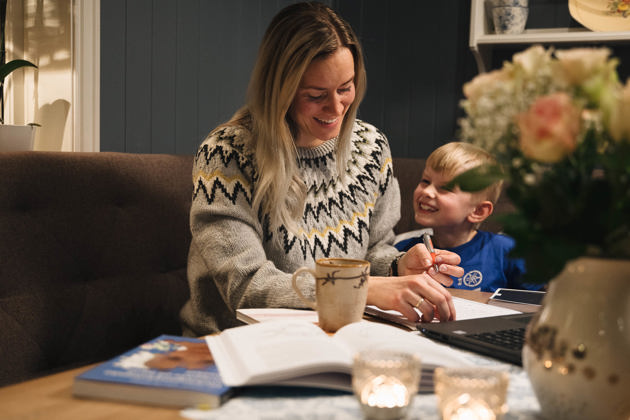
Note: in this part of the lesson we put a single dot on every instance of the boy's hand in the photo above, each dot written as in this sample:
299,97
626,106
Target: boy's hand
419,260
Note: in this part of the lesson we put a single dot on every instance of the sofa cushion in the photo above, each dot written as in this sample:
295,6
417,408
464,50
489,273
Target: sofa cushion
93,255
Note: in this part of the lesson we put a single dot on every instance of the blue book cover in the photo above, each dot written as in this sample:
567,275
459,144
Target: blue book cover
168,370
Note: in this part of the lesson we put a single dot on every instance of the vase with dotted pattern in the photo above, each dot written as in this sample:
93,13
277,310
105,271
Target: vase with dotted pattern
577,351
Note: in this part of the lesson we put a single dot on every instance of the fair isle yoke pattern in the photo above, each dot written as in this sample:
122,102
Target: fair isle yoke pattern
337,214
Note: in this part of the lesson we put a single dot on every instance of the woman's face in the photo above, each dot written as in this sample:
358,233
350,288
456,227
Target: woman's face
325,93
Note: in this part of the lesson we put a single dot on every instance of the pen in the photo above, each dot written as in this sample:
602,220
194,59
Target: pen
427,242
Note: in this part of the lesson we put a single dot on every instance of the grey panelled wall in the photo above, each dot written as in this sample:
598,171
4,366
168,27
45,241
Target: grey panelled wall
172,70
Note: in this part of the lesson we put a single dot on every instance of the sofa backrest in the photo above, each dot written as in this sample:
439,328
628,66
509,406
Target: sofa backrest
408,172
92,257
93,253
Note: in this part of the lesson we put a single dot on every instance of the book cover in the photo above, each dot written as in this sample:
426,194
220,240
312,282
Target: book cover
168,371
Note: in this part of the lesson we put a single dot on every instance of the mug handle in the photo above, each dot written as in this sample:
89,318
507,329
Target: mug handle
310,303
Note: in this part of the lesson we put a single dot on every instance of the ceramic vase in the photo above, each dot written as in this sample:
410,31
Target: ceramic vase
577,351
15,138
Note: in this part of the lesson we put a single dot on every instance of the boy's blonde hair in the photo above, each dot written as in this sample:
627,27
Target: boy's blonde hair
451,159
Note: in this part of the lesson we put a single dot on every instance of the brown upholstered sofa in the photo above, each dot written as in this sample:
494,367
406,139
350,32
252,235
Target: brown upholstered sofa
93,253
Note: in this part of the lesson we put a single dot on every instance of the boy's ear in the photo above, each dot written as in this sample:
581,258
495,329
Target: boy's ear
481,212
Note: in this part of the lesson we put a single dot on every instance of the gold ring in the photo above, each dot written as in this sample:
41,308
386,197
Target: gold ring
417,305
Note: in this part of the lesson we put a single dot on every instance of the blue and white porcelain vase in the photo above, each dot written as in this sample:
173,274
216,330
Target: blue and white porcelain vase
577,351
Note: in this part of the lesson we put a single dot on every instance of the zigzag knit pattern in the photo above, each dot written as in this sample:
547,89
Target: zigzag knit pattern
337,213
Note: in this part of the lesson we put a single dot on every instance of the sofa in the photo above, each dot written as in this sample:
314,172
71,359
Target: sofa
93,254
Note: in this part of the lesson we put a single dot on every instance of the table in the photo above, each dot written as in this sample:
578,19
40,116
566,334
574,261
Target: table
50,398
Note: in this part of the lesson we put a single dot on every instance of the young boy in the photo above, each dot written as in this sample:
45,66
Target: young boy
455,215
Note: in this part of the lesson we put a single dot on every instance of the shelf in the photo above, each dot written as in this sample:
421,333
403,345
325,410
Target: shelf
552,35
482,39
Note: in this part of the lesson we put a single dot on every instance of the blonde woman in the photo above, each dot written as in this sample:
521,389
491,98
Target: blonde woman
294,177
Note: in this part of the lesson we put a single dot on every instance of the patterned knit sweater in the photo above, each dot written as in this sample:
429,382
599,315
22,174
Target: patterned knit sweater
235,261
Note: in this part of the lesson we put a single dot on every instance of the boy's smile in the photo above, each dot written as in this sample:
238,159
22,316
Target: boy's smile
436,206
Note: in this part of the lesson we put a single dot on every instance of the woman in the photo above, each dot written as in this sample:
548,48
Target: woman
294,177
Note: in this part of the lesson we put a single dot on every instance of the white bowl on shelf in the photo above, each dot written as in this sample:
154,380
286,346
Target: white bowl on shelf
601,15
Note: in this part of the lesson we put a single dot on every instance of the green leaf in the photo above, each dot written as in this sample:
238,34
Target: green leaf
478,178
12,65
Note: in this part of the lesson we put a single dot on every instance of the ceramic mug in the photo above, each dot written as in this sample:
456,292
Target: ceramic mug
340,290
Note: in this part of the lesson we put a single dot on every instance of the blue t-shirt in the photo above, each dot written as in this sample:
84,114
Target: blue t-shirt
485,262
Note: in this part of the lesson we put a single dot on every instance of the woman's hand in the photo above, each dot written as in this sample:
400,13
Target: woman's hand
418,260
407,293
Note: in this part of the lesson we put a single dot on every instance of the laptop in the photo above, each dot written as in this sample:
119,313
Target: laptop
500,337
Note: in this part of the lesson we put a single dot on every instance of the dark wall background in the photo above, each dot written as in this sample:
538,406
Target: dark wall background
172,70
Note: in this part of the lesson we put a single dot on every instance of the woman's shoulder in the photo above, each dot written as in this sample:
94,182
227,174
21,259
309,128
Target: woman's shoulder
226,146
227,140
366,135
365,128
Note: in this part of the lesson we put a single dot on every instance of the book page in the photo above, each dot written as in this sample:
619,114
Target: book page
465,309
271,351
253,315
366,335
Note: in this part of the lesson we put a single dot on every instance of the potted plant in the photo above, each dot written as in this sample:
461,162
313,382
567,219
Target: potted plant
12,137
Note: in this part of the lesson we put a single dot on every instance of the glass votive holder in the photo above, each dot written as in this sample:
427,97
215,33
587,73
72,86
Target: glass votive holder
385,383
471,393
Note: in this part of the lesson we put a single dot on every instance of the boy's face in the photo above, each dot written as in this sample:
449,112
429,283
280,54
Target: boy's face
435,206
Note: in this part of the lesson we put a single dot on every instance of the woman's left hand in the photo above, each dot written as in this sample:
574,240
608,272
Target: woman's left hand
418,260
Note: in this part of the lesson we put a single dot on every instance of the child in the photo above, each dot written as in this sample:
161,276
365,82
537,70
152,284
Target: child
455,215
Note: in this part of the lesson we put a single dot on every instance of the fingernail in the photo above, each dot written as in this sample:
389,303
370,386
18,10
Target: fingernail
428,262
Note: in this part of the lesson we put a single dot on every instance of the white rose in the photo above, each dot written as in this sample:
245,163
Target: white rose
577,65
532,59
482,83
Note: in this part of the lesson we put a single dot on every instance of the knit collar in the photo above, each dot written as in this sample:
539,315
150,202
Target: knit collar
324,149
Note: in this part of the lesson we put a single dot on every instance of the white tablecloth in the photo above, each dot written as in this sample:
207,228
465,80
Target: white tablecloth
277,403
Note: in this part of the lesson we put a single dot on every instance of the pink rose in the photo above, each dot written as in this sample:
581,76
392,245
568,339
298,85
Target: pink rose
549,128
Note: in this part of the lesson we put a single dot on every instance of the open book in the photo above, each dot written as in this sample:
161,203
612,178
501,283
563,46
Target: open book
466,309
297,352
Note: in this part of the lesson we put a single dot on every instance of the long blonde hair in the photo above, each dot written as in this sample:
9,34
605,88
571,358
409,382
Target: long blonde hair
297,35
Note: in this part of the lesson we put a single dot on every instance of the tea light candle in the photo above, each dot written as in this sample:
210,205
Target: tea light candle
385,383
471,393
467,408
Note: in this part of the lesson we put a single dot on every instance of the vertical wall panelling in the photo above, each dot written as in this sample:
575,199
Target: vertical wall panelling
187,75
113,36
424,76
138,74
454,66
416,59
367,20
173,70
163,75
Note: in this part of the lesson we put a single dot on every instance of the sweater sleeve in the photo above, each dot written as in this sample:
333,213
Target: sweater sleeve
386,214
227,236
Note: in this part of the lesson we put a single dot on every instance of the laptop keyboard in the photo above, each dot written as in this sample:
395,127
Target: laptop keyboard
512,338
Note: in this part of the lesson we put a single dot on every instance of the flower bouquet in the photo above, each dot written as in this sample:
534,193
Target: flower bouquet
558,123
